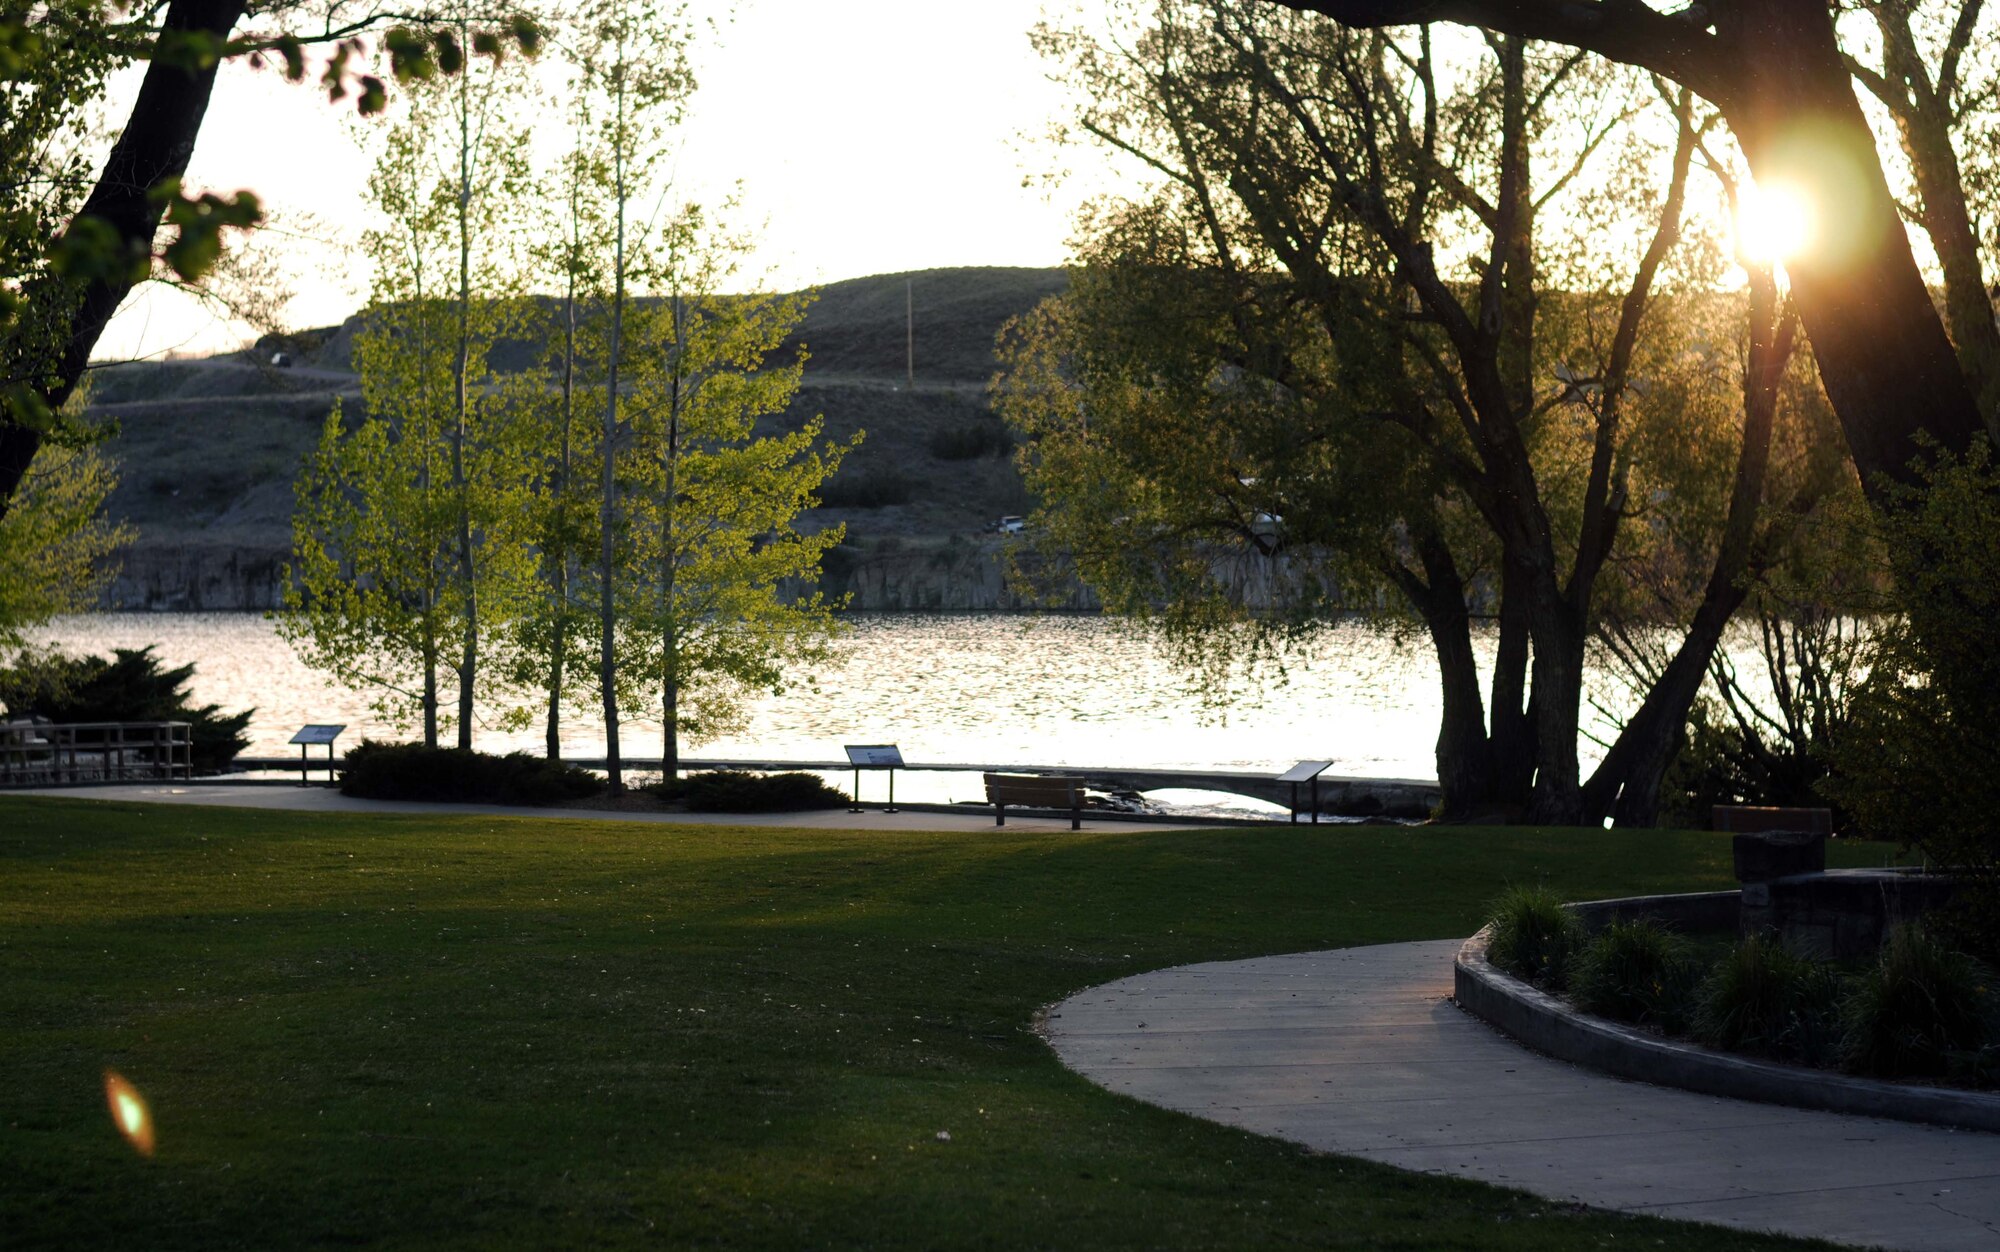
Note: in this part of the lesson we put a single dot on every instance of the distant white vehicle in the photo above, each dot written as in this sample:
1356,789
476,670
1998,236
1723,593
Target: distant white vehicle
282,360
1011,525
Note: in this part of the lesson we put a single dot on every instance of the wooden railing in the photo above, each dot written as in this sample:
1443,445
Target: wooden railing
39,754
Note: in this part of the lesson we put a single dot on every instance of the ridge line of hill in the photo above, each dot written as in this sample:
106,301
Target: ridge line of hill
209,447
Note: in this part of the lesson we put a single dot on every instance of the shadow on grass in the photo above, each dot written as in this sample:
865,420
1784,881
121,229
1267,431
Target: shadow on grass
480,1032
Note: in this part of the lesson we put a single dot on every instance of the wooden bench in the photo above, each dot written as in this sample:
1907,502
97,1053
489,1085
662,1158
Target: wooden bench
1035,791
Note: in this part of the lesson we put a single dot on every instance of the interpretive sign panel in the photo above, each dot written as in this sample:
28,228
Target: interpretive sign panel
1305,771
874,755
318,734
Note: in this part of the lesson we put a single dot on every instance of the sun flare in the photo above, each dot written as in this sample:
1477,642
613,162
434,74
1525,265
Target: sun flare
129,1112
1774,224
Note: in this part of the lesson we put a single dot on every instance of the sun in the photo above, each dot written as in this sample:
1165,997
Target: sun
1774,223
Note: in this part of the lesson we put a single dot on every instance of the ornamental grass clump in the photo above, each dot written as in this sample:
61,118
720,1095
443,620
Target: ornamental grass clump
1635,972
1764,999
1920,1012
1534,936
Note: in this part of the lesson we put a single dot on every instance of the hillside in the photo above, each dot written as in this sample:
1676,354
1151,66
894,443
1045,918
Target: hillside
209,448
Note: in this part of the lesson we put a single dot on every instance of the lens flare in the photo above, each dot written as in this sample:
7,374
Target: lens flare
129,1112
1774,223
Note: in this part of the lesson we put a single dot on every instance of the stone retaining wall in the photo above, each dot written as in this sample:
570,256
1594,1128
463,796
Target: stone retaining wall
1550,1025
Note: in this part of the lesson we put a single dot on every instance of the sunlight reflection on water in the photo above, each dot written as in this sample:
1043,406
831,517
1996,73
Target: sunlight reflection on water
1043,690
950,689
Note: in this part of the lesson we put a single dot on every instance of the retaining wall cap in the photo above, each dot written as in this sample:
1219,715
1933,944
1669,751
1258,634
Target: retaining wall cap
1552,1026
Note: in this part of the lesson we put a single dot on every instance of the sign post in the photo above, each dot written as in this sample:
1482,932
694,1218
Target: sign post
874,756
1305,772
325,734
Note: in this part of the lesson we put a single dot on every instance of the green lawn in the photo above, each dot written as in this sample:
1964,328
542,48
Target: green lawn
478,1032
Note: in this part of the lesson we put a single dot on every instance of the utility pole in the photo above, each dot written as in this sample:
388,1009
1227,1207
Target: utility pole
910,323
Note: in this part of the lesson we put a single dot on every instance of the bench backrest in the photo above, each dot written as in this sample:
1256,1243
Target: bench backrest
1035,789
1746,819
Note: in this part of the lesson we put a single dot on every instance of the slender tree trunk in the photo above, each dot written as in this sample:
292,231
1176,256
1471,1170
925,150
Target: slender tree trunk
1626,784
430,691
559,565
154,148
607,515
461,403
670,660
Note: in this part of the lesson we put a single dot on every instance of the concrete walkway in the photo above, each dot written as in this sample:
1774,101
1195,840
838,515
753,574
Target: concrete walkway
319,799
1359,1051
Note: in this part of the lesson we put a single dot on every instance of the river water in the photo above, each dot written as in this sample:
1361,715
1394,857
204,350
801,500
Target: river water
1043,690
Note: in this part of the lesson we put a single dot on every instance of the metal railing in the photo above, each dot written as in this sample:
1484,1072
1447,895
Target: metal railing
39,754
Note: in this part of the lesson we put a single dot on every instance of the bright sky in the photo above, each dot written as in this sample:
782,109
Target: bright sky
871,136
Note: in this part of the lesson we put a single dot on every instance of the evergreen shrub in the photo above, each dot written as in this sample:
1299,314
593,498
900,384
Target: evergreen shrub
129,687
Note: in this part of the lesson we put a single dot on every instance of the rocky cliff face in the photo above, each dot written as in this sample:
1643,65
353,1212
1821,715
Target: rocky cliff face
963,576
198,575
960,576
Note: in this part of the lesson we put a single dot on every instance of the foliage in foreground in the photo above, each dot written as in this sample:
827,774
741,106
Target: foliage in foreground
55,540
539,1032
411,771
131,686
1920,758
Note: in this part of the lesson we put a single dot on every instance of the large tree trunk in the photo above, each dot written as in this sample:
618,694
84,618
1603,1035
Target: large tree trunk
1922,98
1512,718
154,148
1464,762
1884,358
1481,773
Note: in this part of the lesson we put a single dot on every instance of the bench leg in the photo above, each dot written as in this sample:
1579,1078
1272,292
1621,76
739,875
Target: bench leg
1075,817
999,815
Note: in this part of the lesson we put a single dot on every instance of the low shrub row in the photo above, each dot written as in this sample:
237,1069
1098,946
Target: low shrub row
1921,1010
735,791
411,771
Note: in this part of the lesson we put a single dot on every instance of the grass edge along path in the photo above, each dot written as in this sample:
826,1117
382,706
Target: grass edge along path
479,1032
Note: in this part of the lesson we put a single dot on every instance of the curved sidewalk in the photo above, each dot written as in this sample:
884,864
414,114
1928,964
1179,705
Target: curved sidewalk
1360,1051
